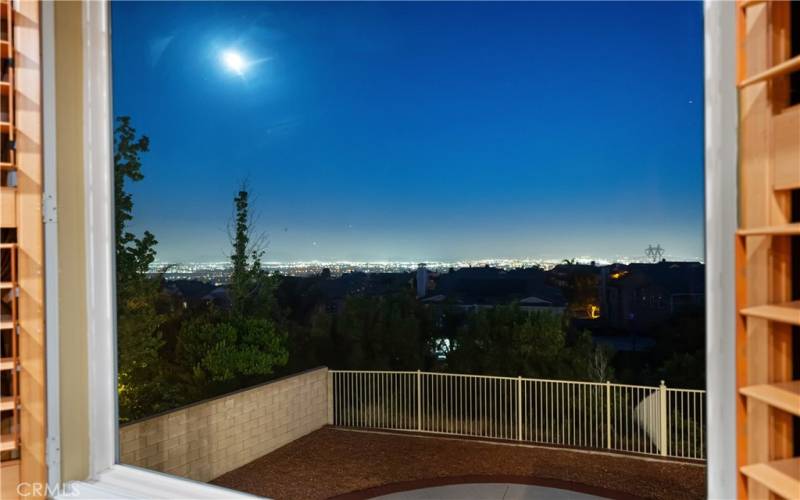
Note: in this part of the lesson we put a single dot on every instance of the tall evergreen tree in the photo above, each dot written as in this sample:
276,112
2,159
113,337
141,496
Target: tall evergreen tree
247,340
138,321
134,255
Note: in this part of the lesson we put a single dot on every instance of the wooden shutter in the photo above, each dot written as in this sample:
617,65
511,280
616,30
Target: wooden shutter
769,170
22,282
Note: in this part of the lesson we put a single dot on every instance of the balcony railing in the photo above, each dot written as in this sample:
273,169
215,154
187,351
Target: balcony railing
617,417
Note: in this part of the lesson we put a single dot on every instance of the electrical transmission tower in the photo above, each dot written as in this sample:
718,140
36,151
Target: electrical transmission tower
654,253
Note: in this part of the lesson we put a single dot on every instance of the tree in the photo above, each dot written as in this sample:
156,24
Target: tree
246,340
390,332
680,350
134,255
584,360
252,288
233,347
582,292
506,340
138,321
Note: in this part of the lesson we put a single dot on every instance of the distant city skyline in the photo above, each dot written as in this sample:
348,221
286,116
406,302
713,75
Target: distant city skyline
220,271
417,131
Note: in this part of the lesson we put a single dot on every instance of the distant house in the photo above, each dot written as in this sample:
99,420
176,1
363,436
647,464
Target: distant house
334,291
193,293
190,292
639,296
581,286
476,288
219,297
561,274
533,303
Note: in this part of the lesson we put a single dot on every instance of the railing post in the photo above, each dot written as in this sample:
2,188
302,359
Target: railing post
608,414
662,391
419,400
519,408
330,395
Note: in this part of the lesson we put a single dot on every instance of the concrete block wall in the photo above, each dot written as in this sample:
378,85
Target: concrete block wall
207,439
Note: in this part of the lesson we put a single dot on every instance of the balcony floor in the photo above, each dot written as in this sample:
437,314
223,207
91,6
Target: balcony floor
335,462
488,491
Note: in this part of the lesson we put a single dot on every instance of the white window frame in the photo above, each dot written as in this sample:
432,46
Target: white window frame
722,206
108,479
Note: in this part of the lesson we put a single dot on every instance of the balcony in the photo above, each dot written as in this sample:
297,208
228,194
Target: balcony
348,463
325,433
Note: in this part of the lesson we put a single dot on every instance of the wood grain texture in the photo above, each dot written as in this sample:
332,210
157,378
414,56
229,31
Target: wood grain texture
787,149
781,477
30,239
8,206
780,230
754,212
782,395
766,148
787,313
741,362
9,475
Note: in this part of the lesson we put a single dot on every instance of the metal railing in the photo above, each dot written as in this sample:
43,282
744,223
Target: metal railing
619,417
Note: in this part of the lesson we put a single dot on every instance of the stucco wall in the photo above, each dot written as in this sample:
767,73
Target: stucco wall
207,439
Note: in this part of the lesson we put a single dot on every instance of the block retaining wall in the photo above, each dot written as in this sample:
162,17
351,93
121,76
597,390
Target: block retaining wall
207,439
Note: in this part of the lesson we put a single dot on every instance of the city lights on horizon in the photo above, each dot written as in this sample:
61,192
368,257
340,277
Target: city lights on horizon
219,270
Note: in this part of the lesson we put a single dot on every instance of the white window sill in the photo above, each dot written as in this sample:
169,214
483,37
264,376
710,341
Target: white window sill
129,482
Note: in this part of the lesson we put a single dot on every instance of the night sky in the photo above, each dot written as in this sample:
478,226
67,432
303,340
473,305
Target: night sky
418,131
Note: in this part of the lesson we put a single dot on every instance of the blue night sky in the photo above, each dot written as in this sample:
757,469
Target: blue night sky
417,131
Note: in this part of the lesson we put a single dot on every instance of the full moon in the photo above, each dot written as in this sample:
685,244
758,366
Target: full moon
234,61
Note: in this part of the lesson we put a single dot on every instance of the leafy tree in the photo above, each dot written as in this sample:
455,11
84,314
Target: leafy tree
318,348
228,348
403,328
138,321
583,360
506,340
392,334
680,348
509,341
685,370
134,255
246,340
582,292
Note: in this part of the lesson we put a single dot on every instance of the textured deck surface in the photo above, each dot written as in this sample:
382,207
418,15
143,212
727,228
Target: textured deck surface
354,464
488,491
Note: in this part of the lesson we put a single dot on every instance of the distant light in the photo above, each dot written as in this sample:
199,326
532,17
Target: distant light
234,61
